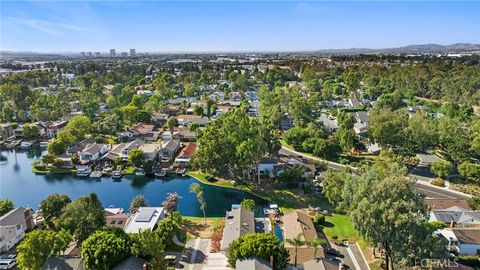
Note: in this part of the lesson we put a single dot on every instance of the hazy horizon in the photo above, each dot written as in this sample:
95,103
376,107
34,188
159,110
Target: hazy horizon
217,27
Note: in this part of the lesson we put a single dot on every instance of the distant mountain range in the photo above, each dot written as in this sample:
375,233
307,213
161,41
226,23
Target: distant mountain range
418,48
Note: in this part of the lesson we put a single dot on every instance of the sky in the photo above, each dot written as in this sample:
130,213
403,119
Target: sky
221,26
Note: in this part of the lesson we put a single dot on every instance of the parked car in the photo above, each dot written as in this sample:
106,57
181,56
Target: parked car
333,252
8,261
336,260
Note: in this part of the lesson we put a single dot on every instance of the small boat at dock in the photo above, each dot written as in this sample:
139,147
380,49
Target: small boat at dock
84,172
117,174
44,145
26,145
96,174
161,173
139,172
181,171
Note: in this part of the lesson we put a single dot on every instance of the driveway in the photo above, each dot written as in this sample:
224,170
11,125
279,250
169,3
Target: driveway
353,257
422,171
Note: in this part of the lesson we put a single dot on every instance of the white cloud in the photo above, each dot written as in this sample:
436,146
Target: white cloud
50,27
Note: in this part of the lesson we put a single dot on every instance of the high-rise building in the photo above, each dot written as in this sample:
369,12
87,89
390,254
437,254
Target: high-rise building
112,52
82,54
132,52
97,54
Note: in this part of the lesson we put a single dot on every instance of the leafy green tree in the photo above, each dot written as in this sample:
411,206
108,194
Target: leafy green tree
6,205
136,157
263,245
198,110
290,177
315,243
34,250
392,217
333,185
247,204
30,131
455,138
302,112
137,202
79,126
423,131
57,147
474,202
62,239
172,122
296,241
52,207
150,245
82,217
345,133
105,248
470,171
441,168
198,190
387,127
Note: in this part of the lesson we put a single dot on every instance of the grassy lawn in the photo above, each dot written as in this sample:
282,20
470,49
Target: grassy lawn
339,226
54,170
129,170
287,199
194,227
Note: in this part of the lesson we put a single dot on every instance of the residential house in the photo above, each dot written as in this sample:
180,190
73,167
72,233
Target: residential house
120,151
360,129
180,133
115,217
464,241
186,153
54,128
159,118
286,122
13,226
456,217
145,218
353,102
6,130
169,150
238,222
275,165
185,120
361,117
299,224
64,262
253,263
171,110
329,122
142,131
150,151
79,146
236,96
442,204
92,152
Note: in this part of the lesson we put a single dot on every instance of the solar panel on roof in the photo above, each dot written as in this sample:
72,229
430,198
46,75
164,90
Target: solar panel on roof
145,215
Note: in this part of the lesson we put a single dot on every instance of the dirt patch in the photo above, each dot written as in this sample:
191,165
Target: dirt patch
199,228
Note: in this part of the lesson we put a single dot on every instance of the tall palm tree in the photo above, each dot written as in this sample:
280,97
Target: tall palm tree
296,242
315,243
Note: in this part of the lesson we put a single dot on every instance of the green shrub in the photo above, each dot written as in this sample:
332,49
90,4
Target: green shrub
441,168
473,261
438,182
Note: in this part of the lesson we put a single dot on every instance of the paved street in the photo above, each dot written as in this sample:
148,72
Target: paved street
196,254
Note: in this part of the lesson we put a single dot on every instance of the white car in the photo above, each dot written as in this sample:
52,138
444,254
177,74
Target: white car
7,261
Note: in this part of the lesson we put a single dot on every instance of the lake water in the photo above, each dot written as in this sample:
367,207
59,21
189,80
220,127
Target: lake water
25,188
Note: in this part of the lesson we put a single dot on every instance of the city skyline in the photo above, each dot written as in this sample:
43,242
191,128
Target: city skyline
52,26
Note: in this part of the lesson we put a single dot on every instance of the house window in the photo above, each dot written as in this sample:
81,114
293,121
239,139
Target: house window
19,226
